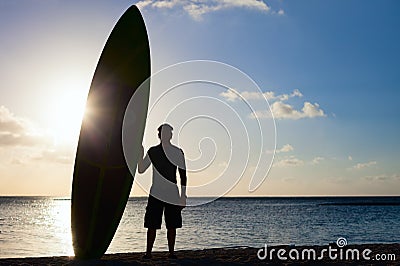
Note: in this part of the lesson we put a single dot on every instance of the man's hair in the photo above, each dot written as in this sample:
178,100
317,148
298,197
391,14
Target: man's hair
164,126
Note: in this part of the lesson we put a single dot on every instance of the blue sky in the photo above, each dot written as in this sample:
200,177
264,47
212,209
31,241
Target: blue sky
341,56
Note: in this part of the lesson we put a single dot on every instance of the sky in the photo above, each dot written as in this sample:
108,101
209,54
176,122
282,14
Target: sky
329,70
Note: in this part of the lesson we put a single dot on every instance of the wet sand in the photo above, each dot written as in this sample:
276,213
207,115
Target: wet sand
236,256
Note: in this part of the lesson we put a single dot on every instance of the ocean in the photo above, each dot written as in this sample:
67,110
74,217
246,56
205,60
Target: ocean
40,226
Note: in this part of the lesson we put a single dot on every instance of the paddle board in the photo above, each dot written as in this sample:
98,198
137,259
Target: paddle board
101,180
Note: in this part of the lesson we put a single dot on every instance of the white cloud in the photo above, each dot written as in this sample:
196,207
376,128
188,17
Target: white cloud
165,4
279,108
8,139
378,178
289,162
9,123
144,4
16,131
232,95
285,148
196,9
21,138
317,160
282,110
261,114
252,95
281,12
312,110
364,165
296,93
383,178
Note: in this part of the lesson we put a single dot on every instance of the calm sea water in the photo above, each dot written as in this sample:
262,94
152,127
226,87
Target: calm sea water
36,226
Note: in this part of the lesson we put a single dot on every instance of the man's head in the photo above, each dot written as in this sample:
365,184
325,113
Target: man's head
165,132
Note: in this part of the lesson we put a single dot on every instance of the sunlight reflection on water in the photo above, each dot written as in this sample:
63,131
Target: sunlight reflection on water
35,227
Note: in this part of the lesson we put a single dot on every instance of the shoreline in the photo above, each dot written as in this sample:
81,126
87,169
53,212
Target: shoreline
388,254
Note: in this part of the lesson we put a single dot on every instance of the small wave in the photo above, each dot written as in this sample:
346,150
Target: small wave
62,199
361,204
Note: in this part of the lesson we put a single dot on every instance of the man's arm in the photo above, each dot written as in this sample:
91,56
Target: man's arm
143,163
182,174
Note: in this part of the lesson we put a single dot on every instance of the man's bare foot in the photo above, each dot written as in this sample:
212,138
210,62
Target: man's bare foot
146,256
172,256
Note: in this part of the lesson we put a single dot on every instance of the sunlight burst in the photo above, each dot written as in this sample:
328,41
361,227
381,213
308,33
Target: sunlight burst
66,115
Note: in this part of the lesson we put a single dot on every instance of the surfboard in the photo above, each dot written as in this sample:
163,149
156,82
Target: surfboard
101,180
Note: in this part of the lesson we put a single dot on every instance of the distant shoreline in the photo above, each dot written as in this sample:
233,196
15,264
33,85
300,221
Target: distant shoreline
235,256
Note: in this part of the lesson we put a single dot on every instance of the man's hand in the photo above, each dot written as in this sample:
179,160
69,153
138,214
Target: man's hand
143,163
182,202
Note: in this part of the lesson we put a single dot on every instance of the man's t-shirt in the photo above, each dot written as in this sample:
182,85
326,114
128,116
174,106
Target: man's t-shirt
166,160
165,164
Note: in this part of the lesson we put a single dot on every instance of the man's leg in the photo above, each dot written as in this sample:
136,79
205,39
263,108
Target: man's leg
152,221
151,237
173,220
171,235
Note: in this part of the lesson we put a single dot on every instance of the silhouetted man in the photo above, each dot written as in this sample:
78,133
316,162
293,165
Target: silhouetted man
164,194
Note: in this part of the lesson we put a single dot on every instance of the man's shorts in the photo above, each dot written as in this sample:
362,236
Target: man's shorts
154,211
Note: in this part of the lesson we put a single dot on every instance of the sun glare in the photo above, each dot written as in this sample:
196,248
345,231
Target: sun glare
66,115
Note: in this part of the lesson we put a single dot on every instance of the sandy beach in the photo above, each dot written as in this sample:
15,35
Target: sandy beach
369,254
